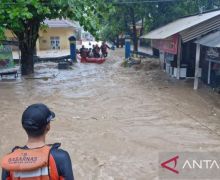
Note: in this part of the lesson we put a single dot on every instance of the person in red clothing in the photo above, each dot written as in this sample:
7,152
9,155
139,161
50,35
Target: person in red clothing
37,160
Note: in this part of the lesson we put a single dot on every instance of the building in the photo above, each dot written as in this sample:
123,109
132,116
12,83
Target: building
208,60
86,36
55,36
175,42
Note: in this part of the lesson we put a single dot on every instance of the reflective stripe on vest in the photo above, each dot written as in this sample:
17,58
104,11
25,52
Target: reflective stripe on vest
31,174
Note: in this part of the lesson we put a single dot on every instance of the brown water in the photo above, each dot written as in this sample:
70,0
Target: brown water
113,121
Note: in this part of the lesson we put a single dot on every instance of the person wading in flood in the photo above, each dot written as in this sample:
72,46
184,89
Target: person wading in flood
37,160
104,50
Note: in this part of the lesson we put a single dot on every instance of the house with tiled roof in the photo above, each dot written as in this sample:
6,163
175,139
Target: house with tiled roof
54,35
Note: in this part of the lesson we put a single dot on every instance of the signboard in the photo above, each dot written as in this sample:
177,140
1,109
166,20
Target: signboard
212,54
169,45
6,58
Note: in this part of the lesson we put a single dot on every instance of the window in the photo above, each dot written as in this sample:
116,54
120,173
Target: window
55,42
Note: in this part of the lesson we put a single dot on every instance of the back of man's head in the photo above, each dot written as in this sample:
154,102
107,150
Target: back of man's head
36,118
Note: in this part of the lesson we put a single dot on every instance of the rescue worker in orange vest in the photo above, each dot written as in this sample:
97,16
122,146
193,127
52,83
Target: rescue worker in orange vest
37,160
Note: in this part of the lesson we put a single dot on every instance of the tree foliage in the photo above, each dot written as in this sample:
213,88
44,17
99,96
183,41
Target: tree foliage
113,24
123,21
153,14
164,12
14,14
2,35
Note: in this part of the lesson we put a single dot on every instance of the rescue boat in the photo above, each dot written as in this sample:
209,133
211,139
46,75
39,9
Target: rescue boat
92,60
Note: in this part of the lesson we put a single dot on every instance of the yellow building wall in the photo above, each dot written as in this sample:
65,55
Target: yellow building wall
43,43
9,34
37,45
62,33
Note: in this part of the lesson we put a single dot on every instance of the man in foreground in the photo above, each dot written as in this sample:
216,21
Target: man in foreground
37,160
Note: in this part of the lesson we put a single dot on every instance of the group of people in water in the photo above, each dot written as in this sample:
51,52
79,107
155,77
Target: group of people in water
95,51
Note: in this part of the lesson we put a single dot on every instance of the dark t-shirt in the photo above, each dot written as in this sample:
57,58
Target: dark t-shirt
63,163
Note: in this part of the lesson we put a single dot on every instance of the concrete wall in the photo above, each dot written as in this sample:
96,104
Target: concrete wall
62,33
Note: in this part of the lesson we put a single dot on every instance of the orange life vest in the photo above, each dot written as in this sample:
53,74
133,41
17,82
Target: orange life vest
31,164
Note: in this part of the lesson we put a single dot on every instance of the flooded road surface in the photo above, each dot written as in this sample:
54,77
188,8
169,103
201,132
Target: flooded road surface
113,120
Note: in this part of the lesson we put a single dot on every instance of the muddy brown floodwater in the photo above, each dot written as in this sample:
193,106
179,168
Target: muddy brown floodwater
113,120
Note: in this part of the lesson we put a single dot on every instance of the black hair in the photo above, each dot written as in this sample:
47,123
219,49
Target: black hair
31,132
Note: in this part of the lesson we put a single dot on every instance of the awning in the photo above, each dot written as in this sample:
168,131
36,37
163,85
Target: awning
211,40
187,26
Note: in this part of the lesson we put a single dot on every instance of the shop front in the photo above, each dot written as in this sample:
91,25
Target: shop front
179,54
211,67
208,59
168,49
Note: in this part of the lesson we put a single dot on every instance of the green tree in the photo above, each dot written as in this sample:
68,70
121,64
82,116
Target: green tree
123,21
24,18
2,36
164,12
152,15
113,25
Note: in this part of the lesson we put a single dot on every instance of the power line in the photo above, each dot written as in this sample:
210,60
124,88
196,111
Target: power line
108,1
139,2
28,3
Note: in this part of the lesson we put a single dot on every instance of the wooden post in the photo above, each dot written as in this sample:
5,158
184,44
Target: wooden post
196,80
209,72
179,56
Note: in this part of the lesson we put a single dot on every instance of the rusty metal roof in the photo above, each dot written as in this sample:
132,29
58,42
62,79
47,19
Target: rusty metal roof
181,25
211,40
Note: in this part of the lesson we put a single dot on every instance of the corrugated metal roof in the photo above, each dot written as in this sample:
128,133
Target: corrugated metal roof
200,29
59,23
180,25
211,40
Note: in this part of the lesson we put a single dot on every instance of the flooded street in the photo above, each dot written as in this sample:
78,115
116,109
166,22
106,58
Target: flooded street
113,121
